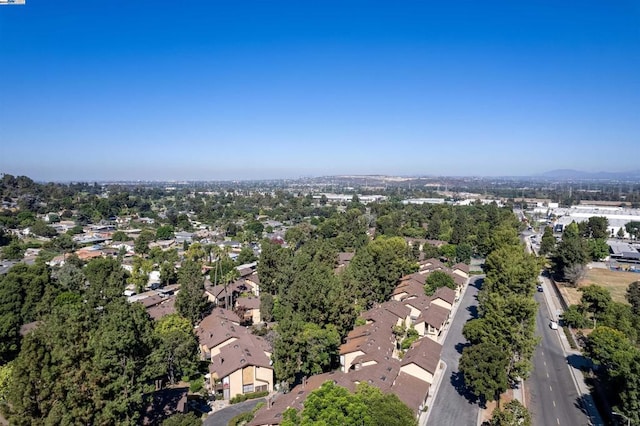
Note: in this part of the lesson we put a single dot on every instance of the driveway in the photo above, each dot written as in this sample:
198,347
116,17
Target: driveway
453,404
222,417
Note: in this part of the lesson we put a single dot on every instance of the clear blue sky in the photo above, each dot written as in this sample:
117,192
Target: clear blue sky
140,89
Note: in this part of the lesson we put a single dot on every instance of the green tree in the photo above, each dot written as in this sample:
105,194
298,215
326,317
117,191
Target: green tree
41,229
547,242
596,227
5,376
71,278
181,419
191,302
121,346
168,274
107,281
512,414
83,366
571,251
503,235
464,252
595,299
164,232
633,228
484,369
303,349
633,296
13,251
375,269
246,255
333,405
176,351
119,236
141,244
437,279
611,349
448,251
385,409
510,269
141,268
598,249
266,306
575,317
273,268
620,316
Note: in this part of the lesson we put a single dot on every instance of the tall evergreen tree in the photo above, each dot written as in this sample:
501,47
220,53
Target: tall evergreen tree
191,302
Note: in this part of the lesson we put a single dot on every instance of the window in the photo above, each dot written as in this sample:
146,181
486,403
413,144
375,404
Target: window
247,388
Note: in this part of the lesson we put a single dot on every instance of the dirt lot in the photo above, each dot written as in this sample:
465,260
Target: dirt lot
616,281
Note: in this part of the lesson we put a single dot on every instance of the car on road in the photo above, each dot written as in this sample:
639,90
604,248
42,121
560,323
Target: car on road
540,289
553,325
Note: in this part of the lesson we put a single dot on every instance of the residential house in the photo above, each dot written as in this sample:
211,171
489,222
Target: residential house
431,321
461,269
444,297
409,286
251,307
422,360
164,308
343,260
240,368
240,361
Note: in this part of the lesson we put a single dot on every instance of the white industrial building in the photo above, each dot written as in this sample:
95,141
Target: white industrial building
618,217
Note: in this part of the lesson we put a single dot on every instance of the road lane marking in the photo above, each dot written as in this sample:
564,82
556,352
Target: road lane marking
547,374
550,388
554,403
558,420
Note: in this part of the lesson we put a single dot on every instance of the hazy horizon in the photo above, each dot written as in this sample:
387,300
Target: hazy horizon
227,91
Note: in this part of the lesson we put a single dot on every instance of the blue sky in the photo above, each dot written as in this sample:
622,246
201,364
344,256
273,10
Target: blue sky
271,89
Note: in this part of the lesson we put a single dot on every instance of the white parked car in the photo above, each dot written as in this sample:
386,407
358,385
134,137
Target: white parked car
553,325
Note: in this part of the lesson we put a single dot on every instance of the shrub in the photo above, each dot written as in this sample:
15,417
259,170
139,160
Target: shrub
253,395
241,419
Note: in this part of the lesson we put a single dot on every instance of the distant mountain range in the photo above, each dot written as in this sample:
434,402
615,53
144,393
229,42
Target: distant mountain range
577,174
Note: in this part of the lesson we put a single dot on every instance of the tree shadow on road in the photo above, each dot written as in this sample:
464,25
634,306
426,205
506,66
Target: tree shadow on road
457,381
460,346
477,283
580,362
473,310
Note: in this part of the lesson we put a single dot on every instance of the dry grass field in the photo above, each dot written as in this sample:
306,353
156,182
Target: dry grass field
616,281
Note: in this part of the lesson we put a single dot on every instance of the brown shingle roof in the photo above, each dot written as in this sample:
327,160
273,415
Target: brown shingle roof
461,266
409,288
421,302
435,316
396,308
411,390
345,257
248,302
165,308
425,353
239,354
446,294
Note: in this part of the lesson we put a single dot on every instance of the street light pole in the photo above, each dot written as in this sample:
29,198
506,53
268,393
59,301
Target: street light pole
622,415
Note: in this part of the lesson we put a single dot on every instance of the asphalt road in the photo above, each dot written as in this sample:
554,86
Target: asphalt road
222,417
551,391
453,405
